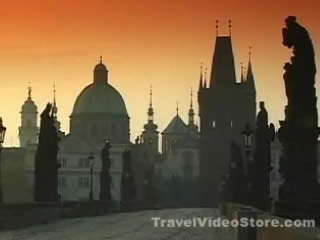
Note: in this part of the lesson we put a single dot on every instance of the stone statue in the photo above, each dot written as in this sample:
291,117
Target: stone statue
46,163
259,169
299,131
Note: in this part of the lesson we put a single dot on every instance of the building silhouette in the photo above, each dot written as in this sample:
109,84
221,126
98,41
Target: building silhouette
225,107
28,131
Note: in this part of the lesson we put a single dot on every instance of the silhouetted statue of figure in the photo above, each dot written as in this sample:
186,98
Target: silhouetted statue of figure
299,131
105,178
128,188
46,163
260,168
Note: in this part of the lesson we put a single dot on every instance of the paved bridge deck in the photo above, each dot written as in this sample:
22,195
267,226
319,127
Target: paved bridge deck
123,226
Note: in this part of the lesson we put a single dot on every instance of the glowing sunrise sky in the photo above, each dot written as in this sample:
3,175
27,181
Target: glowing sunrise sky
143,42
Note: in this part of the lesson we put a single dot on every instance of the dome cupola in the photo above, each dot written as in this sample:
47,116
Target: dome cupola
100,73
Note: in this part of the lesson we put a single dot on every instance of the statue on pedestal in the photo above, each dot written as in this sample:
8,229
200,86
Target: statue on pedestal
46,163
299,131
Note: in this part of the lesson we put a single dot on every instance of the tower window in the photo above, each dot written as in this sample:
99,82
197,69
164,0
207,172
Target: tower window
213,124
231,124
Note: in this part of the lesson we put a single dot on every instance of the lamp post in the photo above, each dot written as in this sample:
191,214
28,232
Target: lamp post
91,163
2,135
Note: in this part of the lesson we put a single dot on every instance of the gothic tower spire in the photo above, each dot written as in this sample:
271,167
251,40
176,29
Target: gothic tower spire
191,111
150,109
250,77
150,135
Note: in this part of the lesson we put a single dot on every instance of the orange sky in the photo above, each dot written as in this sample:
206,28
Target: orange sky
142,42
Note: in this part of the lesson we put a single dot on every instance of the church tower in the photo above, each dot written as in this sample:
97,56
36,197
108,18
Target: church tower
225,107
191,116
28,131
150,135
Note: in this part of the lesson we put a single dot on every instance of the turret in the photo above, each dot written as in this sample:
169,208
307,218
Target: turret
28,131
150,135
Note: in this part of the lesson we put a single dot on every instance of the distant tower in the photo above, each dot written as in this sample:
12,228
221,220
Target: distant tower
150,135
191,123
28,131
55,110
225,107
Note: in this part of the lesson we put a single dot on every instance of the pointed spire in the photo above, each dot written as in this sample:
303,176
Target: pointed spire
250,78
150,94
101,59
230,27
150,109
191,111
201,77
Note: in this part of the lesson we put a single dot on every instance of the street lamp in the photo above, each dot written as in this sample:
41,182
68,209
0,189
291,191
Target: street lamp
91,163
2,135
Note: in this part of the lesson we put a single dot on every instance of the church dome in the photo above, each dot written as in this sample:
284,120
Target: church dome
100,97
100,67
29,106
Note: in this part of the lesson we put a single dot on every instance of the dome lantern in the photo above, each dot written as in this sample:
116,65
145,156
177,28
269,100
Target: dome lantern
100,73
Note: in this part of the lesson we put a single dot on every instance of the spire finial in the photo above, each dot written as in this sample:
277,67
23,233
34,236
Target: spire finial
177,108
217,27
250,52
150,94
230,27
29,89
101,59
191,99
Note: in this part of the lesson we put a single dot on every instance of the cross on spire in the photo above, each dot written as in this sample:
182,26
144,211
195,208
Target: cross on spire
29,90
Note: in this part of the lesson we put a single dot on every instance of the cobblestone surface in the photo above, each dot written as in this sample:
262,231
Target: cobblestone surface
124,226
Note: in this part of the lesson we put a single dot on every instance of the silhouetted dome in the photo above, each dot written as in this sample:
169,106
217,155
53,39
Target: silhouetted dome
100,67
29,106
99,98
